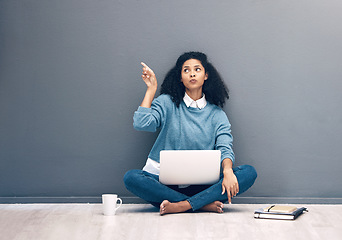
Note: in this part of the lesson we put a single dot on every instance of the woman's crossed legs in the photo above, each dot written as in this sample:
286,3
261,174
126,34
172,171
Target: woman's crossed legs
172,199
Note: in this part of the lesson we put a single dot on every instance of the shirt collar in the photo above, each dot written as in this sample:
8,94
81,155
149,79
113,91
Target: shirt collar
189,102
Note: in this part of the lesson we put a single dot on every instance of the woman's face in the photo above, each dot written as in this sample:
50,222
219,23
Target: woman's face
193,75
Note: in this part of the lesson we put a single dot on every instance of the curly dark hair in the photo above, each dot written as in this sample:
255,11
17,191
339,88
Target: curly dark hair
215,90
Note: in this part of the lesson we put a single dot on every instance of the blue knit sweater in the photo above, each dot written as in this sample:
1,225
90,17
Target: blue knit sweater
185,128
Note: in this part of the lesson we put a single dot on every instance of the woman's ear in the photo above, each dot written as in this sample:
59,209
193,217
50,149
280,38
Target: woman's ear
206,76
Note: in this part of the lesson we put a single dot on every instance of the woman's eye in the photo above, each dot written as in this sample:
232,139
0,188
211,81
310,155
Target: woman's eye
198,69
186,70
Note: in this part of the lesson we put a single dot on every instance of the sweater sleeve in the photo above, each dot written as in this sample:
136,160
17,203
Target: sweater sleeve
150,119
224,138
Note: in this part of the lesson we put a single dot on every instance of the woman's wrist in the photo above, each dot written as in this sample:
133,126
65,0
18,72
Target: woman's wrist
152,90
227,166
227,171
149,96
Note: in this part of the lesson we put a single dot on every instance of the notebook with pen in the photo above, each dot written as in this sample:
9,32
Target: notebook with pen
284,212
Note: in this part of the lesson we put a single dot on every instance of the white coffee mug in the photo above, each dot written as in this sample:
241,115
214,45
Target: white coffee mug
109,204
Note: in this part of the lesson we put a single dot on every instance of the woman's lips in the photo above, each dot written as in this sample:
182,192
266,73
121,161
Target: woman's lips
193,80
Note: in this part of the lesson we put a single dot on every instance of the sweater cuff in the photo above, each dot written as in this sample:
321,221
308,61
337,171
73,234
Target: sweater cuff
144,110
231,157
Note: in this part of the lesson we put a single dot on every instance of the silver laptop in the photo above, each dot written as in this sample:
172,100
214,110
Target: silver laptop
189,167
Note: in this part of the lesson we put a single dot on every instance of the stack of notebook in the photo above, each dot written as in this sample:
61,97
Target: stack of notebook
284,212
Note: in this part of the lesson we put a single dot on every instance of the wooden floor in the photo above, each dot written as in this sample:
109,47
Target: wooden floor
140,221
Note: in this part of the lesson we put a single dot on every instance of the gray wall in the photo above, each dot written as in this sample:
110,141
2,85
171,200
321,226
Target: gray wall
70,83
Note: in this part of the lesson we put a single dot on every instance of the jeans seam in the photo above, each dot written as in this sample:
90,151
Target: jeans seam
191,204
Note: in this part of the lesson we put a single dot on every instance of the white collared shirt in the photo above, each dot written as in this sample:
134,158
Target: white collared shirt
189,102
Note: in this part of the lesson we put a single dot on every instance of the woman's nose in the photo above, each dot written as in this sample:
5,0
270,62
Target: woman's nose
192,74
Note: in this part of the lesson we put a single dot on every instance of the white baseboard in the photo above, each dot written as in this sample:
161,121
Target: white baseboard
136,200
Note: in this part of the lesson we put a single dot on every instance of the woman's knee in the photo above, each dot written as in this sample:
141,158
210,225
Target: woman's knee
130,177
249,171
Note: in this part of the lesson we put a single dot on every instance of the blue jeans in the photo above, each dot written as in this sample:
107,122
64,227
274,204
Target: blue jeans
147,186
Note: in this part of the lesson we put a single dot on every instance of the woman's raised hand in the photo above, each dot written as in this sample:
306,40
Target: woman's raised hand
151,81
149,77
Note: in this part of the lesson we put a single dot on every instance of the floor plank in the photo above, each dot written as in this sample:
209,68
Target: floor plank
141,221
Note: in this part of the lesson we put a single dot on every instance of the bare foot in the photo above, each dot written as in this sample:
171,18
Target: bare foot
178,207
213,207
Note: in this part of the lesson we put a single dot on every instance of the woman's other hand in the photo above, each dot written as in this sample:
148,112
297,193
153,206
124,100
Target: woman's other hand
230,185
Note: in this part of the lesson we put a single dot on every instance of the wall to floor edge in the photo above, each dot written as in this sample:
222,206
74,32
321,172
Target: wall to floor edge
136,200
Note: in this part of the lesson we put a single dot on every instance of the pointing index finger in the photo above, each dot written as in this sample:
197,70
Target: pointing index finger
147,67
144,65
229,197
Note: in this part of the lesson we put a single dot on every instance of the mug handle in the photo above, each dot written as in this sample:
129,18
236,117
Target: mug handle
119,199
